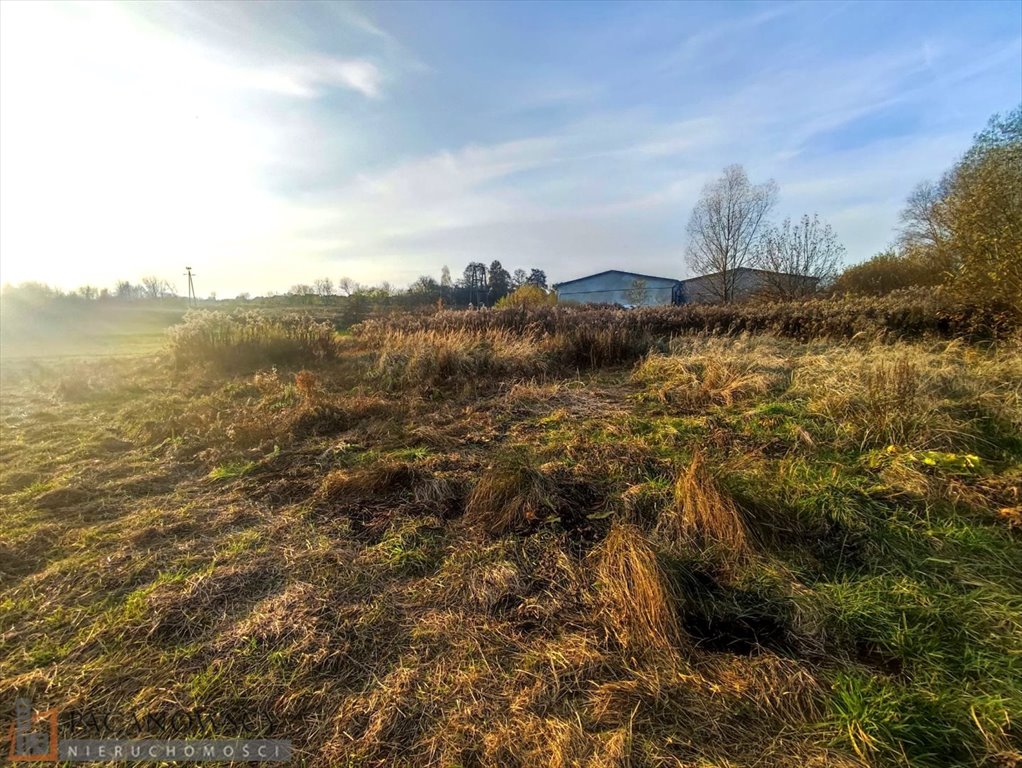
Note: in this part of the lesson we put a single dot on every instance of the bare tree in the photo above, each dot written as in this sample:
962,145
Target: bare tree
725,227
125,290
324,286
155,287
798,258
924,220
347,286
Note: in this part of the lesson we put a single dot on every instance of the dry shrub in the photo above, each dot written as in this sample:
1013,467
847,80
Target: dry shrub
907,314
309,386
638,599
249,339
598,346
511,495
705,515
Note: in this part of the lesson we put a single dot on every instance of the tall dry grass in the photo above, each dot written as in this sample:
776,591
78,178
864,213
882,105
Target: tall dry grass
638,598
511,495
247,340
909,314
949,396
704,515
434,358
704,371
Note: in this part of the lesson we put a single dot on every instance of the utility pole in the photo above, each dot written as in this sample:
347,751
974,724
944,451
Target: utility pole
192,300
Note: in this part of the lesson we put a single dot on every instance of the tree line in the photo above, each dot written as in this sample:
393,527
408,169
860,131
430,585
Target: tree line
478,286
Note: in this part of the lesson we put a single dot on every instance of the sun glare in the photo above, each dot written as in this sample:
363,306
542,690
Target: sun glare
117,142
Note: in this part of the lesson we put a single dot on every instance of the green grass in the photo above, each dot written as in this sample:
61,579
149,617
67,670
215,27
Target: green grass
422,576
232,470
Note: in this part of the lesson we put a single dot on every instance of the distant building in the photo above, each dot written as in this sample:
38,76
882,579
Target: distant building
617,287
638,290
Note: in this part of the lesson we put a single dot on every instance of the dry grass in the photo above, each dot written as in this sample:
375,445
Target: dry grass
304,543
702,372
246,340
638,599
705,516
424,359
913,396
511,495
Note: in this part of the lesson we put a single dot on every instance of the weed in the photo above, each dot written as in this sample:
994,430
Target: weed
511,495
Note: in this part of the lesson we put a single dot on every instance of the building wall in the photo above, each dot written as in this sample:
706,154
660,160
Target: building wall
614,288
708,288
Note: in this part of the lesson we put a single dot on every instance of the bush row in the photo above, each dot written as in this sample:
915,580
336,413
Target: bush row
908,314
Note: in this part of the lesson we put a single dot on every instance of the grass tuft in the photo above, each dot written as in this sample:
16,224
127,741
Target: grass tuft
706,516
511,495
639,603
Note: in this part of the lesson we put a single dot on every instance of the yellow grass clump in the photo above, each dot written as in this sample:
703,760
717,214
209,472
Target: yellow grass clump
704,372
639,600
705,515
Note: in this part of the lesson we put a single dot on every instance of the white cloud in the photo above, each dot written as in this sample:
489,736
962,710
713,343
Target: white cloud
305,78
125,170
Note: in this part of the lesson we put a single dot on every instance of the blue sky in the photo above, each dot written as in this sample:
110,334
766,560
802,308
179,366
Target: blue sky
273,143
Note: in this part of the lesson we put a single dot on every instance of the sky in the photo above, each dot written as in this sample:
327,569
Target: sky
272,143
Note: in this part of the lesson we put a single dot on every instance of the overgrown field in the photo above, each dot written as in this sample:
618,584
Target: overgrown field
466,543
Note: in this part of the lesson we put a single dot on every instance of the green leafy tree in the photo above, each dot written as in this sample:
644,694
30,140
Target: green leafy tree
498,283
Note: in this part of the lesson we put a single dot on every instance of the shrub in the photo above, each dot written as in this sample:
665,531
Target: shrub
617,334
528,295
248,339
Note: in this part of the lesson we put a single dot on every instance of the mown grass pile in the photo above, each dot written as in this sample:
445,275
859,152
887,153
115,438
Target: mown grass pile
518,545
